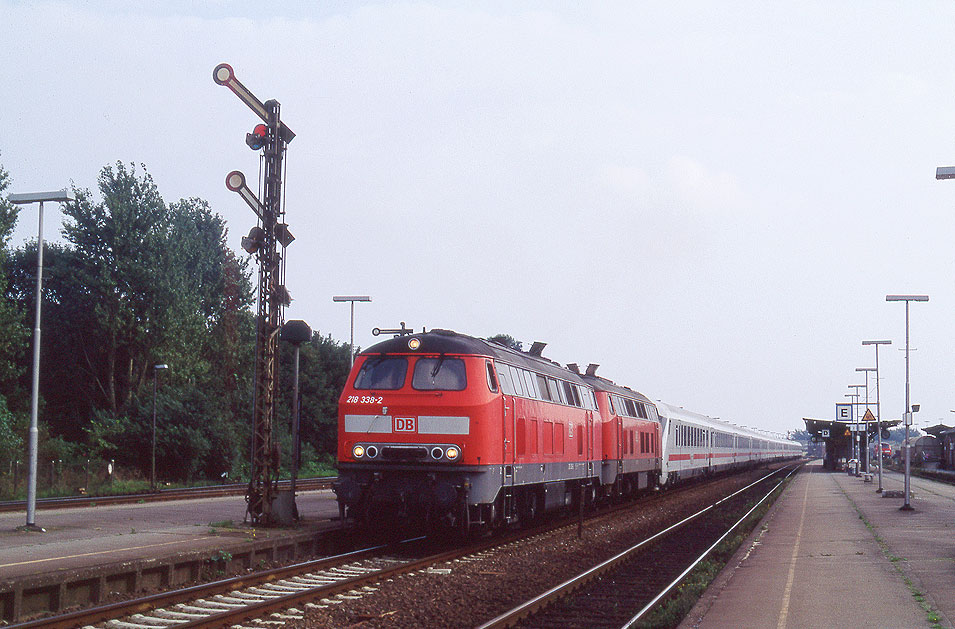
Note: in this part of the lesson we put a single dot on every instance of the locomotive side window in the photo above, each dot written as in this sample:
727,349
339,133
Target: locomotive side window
542,385
555,393
527,381
570,393
491,377
504,376
439,374
518,381
631,412
384,374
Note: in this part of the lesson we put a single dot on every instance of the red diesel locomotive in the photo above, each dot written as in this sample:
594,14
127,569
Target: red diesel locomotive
459,432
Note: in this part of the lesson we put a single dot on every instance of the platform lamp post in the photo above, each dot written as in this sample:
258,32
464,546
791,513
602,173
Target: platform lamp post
878,404
855,433
866,370
907,506
59,196
296,332
152,473
351,343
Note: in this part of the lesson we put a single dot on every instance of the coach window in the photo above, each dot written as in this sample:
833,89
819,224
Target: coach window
439,374
491,377
384,374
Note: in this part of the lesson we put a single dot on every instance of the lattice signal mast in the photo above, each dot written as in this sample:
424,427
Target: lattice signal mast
263,240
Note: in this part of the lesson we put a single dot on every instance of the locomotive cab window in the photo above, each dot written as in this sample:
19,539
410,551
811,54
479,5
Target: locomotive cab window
382,373
491,377
439,374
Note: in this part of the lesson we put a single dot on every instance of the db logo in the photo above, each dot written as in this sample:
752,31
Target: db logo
405,424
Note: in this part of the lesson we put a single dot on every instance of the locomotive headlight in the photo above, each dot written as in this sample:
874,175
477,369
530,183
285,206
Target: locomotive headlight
414,344
452,453
358,451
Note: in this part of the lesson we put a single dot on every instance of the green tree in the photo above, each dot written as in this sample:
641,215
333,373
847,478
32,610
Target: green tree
140,282
13,334
507,341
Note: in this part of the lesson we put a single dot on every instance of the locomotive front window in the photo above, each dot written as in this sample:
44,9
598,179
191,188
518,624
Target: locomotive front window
439,374
384,374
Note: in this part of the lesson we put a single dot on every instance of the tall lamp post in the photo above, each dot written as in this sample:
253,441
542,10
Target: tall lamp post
296,332
152,473
21,199
866,370
878,404
351,343
855,433
907,506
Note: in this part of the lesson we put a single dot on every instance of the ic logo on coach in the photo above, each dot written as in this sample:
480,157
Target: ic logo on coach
405,424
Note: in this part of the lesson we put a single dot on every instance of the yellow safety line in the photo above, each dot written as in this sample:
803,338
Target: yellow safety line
784,612
102,552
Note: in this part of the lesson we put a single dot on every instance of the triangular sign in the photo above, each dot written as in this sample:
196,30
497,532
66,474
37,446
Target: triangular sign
868,417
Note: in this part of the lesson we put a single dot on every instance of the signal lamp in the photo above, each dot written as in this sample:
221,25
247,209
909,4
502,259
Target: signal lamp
257,139
437,453
452,453
282,234
358,451
254,241
372,452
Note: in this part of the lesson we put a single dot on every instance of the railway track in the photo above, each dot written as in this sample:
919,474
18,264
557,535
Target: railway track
186,493
623,590
345,582
285,593
231,601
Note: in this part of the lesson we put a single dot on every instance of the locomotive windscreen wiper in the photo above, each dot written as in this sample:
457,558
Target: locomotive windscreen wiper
437,367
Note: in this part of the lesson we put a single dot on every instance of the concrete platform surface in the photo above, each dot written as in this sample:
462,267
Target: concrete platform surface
834,553
81,538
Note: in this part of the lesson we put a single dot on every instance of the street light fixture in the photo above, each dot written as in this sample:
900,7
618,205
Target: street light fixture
907,506
152,473
878,404
296,332
351,343
21,199
856,446
866,370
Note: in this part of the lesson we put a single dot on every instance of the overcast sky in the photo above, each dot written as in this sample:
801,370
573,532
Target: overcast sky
710,200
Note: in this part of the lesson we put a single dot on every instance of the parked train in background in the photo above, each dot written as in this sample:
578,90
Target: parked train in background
468,434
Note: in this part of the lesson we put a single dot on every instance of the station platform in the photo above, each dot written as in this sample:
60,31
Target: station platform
832,552
88,553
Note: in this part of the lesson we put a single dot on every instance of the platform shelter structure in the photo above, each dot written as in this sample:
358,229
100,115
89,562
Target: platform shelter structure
837,437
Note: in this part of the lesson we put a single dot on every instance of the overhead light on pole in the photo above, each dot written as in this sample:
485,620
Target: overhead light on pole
21,199
878,404
907,506
351,341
